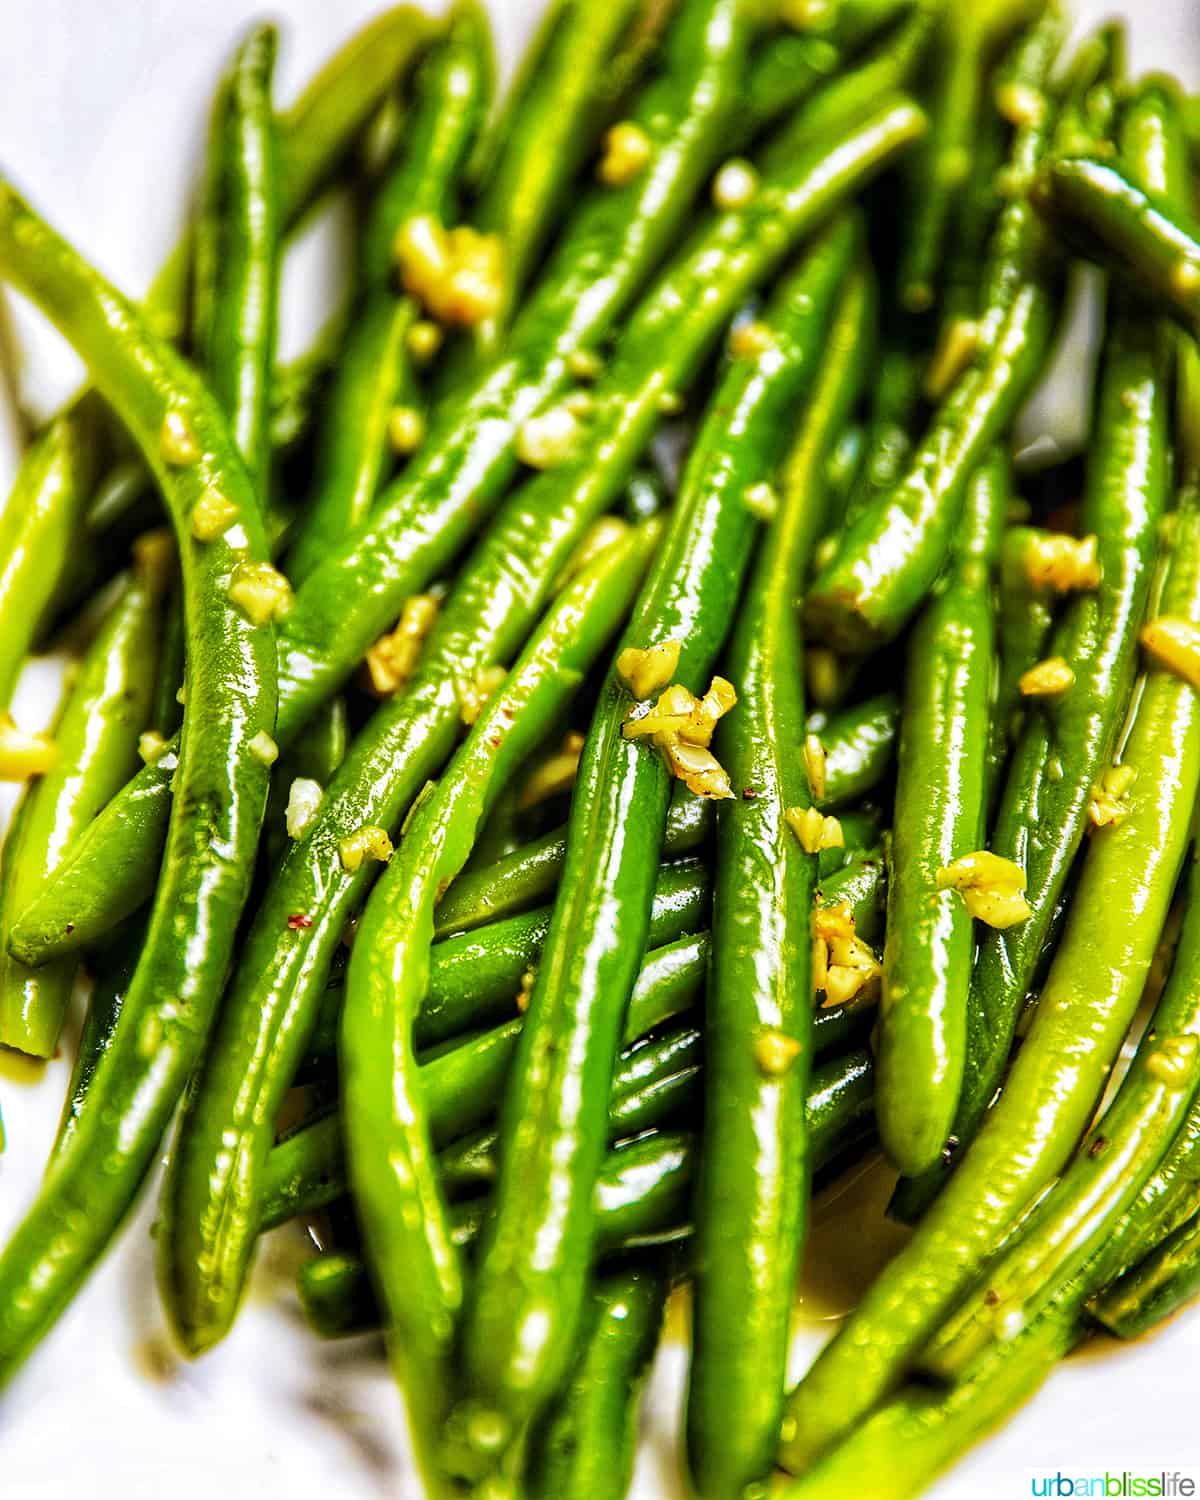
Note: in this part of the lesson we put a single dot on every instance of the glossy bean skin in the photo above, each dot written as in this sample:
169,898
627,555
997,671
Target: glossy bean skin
97,734
552,1137
238,236
1063,748
860,745
59,471
114,971
373,373
395,1181
1155,1288
584,1447
219,790
467,459
938,817
751,1201
642,1196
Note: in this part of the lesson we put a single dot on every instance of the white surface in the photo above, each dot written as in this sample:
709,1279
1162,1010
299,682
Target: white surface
101,118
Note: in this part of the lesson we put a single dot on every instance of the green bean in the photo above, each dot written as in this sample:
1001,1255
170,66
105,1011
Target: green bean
467,459
641,1194
966,41
751,1201
1026,614
1153,245
399,1200
1155,1288
59,470
37,529
96,737
547,130
938,818
237,243
373,374
114,971
890,554
1064,749
553,1139
1085,1008
166,711
220,783
1125,1145
584,1447
859,745
517,881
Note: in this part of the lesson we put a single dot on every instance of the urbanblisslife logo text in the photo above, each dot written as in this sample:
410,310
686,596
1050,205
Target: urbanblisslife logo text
1122,1486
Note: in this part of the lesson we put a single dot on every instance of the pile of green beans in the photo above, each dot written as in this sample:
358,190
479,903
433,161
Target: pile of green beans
556,863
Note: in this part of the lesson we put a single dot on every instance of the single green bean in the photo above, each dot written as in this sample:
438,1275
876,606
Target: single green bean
1155,1288
220,782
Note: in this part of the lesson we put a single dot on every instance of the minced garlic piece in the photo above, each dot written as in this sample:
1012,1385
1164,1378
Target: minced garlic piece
549,439
814,765
749,340
627,152
393,658
1185,276
367,842
832,922
457,273
304,799
807,15
406,429
23,755
555,775
528,980
261,592
424,340
852,969
263,748
670,404
735,185
1173,1060
954,351
775,1052
1047,678
176,440
1175,644
762,501
150,746
814,829
992,887
1062,563
645,672
681,726
1108,804
473,695
585,364
212,514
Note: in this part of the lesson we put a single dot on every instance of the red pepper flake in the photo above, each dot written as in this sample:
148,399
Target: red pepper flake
748,794
299,920
495,740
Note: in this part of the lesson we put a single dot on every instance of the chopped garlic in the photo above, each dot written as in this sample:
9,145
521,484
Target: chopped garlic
154,559
457,273
1020,103
832,922
263,748
749,340
1108,805
474,694
584,364
734,186
1173,1060
367,842
775,1052
852,970
680,724
150,746
991,887
261,592
23,755
424,340
1062,563
392,660
762,501
646,671
406,429
304,800
1185,277
699,770
212,514
814,829
1175,644
528,979
555,775
176,441
549,439
814,765
627,152
1047,678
